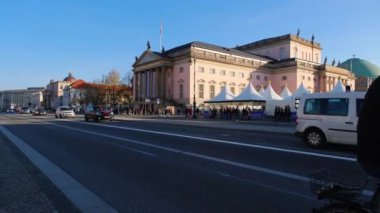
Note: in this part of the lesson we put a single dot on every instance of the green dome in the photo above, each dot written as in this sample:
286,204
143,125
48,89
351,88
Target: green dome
361,68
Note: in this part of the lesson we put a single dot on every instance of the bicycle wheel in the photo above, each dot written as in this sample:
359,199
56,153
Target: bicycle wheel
340,208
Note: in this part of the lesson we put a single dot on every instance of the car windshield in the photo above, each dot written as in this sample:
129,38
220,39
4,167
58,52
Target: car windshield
65,108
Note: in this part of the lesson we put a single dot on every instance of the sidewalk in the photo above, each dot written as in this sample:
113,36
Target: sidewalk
19,192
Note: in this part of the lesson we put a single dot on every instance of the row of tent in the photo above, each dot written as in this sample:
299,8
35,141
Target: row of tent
267,96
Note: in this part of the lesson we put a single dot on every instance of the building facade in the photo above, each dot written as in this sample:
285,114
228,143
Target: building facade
54,93
13,99
197,71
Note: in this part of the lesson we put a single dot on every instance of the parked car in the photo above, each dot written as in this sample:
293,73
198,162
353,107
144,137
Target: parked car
329,117
64,112
98,113
25,110
39,111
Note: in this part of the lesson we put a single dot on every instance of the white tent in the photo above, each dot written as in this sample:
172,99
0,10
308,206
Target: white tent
299,92
262,90
249,94
339,88
269,94
285,92
224,95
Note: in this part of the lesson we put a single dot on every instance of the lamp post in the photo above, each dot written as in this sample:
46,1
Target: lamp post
194,103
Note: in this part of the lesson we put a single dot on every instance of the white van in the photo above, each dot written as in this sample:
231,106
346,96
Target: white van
329,117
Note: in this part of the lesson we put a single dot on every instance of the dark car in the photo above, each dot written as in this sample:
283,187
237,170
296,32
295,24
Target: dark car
98,113
39,111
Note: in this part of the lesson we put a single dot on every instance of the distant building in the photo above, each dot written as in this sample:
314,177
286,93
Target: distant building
13,99
198,71
53,95
365,72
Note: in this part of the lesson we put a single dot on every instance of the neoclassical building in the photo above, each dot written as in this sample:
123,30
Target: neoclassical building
199,71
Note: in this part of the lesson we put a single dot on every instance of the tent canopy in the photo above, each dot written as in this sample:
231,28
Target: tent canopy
269,94
285,93
224,96
249,94
339,88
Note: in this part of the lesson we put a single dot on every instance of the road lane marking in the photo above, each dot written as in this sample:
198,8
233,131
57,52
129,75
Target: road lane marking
367,193
80,196
200,156
232,143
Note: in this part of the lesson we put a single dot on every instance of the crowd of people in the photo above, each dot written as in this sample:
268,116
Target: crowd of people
282,113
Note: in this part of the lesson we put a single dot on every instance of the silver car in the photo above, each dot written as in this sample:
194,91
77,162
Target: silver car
64,112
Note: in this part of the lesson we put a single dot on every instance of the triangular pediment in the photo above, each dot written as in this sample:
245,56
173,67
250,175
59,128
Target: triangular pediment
150,57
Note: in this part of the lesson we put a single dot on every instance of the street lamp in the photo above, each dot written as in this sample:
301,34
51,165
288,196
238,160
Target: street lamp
194,103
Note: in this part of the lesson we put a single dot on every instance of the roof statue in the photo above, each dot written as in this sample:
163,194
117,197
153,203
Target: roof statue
339,88
249,94
285,92
338,64
298,32
312,39
270,94
136,58
325,61
224,95
163,49
148,45
333,62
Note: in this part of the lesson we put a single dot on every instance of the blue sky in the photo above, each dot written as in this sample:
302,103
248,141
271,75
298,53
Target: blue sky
42,40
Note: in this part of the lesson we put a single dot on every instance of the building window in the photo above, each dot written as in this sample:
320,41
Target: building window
257,77
181,91
303,77
295,52
284,78
212,91
201,91
309,78
281,53
201,69
317,57
315,79
222,72
241,75
232,90
232,74
181,70
212,71
265,78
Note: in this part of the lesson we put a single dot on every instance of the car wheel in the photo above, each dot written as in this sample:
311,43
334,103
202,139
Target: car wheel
56,116
96,119
111,118
314,138
60,115
85,118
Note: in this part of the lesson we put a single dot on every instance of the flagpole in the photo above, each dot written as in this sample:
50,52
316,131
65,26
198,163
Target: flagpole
160,36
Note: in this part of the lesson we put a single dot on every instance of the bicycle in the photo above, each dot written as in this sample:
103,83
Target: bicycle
340,188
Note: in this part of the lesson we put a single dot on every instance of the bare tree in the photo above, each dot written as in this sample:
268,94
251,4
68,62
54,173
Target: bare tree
112,83
94,94
127,79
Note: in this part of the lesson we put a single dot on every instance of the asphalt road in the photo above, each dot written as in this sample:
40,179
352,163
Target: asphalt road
143,166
